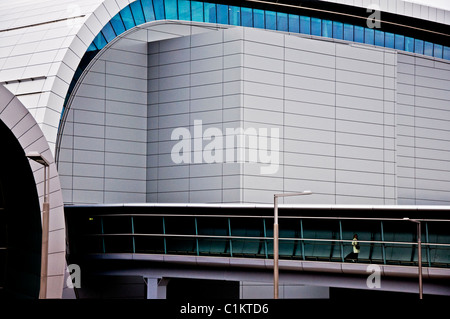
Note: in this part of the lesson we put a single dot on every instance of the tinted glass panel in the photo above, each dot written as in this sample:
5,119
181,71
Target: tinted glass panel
210,12
117,225
327,28
108,32
148,225
389,40
409,44
235,15
294,23
184,10
258,18
180,225
158,5
117,25
271,20
446,53
138,14
100,41
438,51
282,21
418,46
399,42
171,9
222,14
428,48
348,32
379,38
247,17
338,30
316,26
197,11
212,226
369,36
149,13
92,47
359,34
305,25
127,18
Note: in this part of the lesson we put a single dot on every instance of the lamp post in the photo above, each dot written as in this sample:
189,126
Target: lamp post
419,248
276,239
37,157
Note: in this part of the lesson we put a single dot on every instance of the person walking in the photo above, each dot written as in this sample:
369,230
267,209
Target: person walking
356,248
353,256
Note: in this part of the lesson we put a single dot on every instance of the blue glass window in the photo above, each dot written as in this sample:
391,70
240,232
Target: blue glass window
437,51
379,38
305,25
327,28
210,12
348,32
247,17
171,9
100,41
92,47
184,10
338,30
282,21
409,44
149,14
108,32
127,18
369,36
197,11
138,14
258,18
271,20
316,26
222,14
235,15
359,34
117,25
446,53
389,40
141,11
158,5
418,46
294,23
428,48
399,42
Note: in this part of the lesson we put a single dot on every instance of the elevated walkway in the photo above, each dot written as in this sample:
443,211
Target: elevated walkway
307,233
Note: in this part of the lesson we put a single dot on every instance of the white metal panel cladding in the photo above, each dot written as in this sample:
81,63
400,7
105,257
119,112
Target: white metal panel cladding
339,109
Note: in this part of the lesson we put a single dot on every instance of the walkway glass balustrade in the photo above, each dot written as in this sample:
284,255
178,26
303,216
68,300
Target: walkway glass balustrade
382,241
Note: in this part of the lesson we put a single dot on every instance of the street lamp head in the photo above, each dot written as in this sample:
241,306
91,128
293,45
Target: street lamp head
412,220
38,157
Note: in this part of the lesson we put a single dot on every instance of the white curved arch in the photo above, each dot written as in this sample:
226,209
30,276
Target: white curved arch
41,50
28,133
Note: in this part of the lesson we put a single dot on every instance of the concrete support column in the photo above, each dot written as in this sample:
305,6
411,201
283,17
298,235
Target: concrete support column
156,287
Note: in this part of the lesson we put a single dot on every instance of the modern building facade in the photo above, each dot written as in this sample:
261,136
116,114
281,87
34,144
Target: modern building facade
188,102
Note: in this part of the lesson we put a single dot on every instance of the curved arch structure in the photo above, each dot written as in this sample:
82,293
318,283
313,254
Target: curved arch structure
23,180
